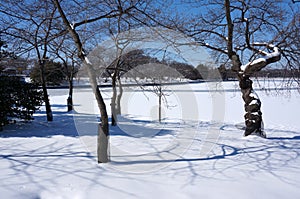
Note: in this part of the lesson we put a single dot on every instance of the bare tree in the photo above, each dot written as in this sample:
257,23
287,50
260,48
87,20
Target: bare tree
114,69
89,13
257,33
103,130
64,49
105,10
32,25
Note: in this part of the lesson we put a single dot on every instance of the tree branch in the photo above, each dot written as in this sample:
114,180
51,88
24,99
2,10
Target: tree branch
268,58
81,53
229,29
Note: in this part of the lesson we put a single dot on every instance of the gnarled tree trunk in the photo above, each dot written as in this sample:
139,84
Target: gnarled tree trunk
253,116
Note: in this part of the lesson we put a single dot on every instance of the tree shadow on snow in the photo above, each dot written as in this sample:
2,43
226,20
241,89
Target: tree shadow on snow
285,138
234,155
45,165
75,124
62,124
138,128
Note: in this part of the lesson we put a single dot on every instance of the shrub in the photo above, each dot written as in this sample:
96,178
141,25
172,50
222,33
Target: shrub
18,99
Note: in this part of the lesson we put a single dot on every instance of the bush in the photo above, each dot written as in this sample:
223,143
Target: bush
18,99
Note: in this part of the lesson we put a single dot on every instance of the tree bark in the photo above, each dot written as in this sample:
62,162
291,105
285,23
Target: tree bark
103,128
113,100
70,97
159,103
103,143
253,116
119,97
45,93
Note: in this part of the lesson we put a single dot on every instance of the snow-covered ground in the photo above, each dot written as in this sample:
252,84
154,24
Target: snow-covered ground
197,151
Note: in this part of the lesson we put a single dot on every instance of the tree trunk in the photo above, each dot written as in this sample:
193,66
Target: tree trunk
113,101
119,97
47,104
45,94
159,104
103,143
253,116
70,97
103,128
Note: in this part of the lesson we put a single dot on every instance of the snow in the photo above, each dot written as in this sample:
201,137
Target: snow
253,102
275,53
72,25
255,113
179,158
256,61
87,59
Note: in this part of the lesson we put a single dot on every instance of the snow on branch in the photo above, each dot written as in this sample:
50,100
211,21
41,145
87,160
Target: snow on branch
267,58
86,59
72,25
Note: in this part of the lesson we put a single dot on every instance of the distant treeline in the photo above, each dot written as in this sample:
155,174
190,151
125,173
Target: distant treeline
227,74
135,58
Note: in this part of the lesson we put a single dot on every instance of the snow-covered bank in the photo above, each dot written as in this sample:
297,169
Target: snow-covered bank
55,160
